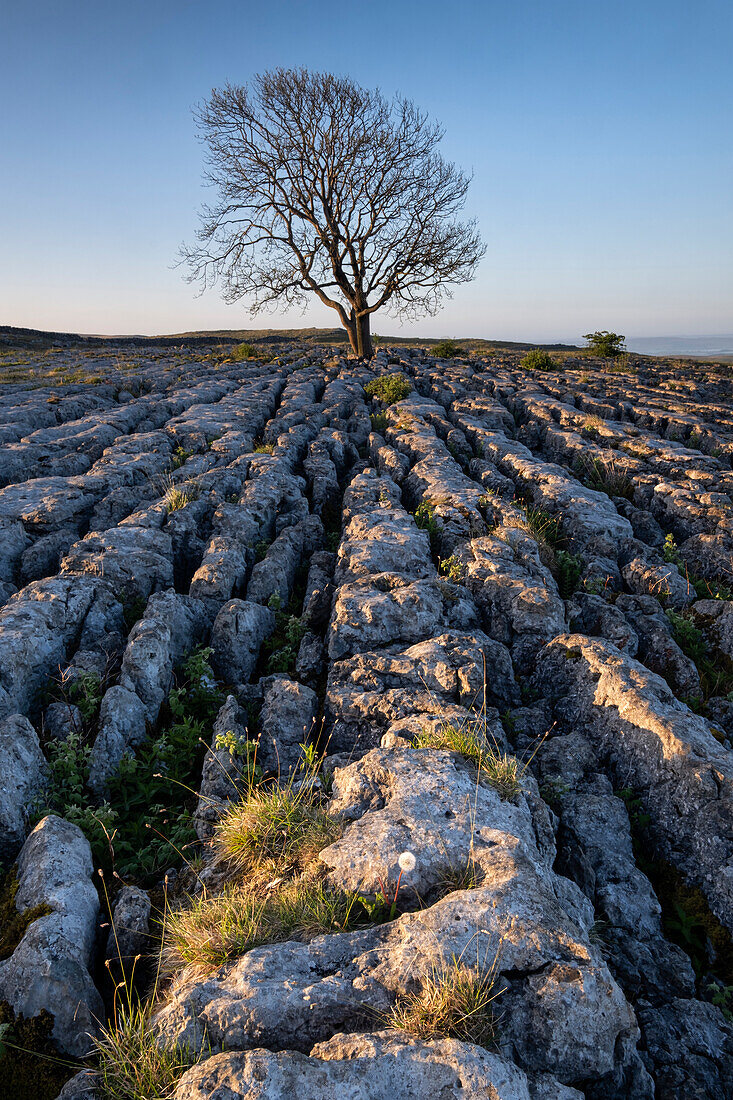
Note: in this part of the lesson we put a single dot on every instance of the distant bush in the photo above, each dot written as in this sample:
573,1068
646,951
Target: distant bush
604,343
389,388
447,349
244,351
537,359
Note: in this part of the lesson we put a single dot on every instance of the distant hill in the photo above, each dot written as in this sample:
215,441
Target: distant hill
706,346
38,338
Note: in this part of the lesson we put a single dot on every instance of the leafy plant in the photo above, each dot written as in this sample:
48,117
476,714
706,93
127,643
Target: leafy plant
389,388
568,570
379,422
605,344
179,457
451,568
426,521
446,349
538,359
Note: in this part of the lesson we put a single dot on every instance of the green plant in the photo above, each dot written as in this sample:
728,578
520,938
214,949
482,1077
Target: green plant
688,636
243,351
426,521
446,349
568,570
84,690
66,793
261,547
605,476
538,359
179,457
281,648
379,422
178,496
454,1001
452,568
722,996
605,344
543,527
264,448
389,388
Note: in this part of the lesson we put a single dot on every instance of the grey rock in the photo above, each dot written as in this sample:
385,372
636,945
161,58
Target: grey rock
286,721
238,632
22,776
122,726
376,1066
49,968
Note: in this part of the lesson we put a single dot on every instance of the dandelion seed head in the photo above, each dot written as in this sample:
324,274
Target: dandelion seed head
407,861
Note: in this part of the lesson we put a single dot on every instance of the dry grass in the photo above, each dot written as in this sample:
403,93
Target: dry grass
456,1001
212,930
178,496
275,827
502,771
131,1062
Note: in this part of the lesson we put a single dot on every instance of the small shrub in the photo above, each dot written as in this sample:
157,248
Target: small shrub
538,359
389,388
454,1002
264,448
243,351
446,349
379,422
605,344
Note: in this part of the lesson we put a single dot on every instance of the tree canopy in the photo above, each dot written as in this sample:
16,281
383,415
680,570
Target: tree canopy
327,188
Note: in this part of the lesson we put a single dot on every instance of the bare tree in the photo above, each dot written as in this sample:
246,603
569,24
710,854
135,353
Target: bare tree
327,188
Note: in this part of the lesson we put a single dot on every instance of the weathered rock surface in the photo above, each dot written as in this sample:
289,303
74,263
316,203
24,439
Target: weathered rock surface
49,968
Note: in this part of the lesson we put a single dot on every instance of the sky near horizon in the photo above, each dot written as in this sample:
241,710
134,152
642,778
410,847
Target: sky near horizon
598,135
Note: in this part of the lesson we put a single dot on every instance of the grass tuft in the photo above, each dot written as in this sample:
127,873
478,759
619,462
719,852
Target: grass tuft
502,771
456,1002
212,930
273,826
132,1063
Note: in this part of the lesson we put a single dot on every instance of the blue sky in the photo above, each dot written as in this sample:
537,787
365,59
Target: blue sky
599,137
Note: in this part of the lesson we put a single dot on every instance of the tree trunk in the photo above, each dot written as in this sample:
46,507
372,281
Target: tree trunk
360,336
